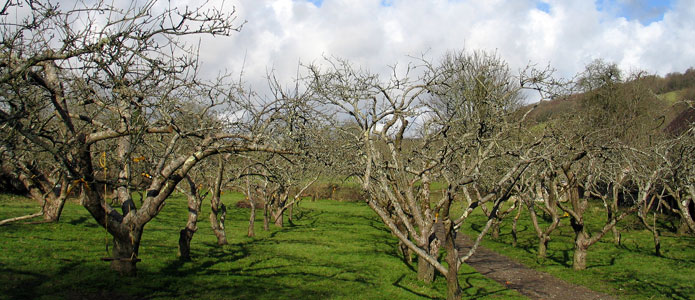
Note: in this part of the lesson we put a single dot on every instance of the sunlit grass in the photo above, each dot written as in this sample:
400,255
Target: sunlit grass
630,270
334,250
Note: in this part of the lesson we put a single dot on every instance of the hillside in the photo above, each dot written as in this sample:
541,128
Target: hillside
670,90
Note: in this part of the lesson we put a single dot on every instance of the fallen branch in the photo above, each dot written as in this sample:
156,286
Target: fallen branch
10,220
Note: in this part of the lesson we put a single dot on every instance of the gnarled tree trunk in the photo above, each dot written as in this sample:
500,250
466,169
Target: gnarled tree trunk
125,251
425,270
218,211
186,234
252,218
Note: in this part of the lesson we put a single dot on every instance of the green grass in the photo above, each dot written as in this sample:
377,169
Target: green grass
334,250
672,97
630,271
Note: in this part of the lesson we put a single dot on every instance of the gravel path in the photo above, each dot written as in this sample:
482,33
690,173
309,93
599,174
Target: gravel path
529,282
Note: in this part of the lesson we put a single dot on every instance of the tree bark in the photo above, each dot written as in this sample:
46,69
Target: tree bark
612,210
218,211
290,211
185,237
452,283
218,214
125,252
42,189
266,217
684,204
425,270
252,220
278,217
580,249
186,234
53,208
495,230
514,225
543,246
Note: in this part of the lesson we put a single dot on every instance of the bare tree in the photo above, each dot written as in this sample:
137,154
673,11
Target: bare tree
679,176
118,77
541,190
447,124
43,180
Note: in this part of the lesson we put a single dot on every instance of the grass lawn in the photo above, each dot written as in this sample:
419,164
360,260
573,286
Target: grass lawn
630,270
334,250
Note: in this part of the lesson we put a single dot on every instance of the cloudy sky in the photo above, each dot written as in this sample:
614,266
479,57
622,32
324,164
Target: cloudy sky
656,36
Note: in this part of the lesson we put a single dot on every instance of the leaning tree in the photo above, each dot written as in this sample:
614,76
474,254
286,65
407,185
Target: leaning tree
111,78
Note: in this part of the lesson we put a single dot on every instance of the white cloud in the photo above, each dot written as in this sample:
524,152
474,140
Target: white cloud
281,33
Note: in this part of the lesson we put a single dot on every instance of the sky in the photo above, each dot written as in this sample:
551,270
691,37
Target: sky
279,35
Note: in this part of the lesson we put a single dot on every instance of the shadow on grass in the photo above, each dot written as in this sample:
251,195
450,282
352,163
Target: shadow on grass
80,220
399,285
640,286
476,292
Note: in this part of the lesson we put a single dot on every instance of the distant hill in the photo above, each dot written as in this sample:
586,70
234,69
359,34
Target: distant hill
672,89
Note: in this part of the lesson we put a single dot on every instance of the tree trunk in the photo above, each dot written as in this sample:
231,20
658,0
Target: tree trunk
581,246
218,211
186,234
616,236
495,230
125,253
252,221
266,218
425,270
514,225
53,208
684,208
290,212
651,227
44,191
407,257
543,246
452,283
612,208
185,237
277,216
218,225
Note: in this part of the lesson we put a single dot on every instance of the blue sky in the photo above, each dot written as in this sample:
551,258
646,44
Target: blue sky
645,11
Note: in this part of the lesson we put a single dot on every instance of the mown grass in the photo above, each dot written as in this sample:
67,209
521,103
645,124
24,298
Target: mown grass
629,271
334,250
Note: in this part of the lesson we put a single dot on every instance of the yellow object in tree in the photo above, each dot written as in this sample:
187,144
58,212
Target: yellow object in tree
566,215
138,159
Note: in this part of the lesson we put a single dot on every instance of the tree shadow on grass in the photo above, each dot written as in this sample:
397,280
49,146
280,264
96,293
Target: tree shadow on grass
477,292
81,220
640,286
73,280
399,285
261,276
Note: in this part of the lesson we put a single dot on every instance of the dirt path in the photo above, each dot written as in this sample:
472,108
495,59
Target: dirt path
529,282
